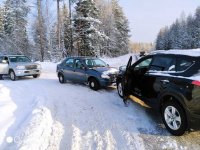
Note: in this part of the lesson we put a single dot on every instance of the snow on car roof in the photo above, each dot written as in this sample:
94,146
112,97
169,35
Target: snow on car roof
189,52
167,73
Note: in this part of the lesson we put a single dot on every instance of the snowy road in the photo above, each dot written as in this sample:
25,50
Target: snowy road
43,114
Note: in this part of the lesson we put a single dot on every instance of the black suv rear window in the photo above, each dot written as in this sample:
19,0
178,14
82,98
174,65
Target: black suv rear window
161,63
184,64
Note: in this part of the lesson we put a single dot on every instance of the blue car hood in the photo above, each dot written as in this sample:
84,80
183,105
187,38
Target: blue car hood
107,70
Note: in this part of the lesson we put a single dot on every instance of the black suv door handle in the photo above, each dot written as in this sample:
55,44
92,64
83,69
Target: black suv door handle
165,81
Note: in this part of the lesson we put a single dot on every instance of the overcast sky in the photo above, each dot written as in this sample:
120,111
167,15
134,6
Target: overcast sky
146,17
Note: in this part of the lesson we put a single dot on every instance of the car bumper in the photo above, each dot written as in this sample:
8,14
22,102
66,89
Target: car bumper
27,72
107,82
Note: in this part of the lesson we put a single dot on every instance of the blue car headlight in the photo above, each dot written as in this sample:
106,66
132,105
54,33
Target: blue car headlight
105,76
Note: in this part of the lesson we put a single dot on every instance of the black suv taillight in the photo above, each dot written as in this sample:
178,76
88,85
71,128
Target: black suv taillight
197,83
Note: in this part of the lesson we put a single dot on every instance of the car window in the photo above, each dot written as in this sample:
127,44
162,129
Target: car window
161,63
17,59
78,64
92,63
144,64
184,64
69,62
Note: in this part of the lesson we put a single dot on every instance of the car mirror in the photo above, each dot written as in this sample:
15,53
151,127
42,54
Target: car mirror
108,65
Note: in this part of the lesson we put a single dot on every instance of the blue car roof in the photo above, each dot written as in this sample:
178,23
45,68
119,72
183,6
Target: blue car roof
84,57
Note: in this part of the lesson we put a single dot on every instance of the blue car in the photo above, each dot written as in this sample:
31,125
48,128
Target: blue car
93,71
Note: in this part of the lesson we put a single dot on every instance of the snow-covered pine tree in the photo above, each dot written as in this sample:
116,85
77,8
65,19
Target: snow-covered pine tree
86,24
108,45
15,22
121,30
2,34
8,17
183,33
160,40
55,53
191,31
1,22
174,35
65,32
39,32
197,28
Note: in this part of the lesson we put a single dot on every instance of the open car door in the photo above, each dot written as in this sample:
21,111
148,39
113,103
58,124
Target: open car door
3,67
125,79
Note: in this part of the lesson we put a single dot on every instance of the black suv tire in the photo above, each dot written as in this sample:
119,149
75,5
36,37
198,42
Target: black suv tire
174,118
94,84
120,89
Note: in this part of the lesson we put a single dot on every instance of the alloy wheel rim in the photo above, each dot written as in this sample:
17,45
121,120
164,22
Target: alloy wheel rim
61,78
92,84
120,89
172,118
12,76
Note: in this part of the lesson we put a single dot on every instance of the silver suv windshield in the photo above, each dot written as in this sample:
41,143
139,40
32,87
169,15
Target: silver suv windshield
17,59
92,63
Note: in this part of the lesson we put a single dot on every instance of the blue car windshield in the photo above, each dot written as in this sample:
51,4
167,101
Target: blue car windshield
92,63
19,59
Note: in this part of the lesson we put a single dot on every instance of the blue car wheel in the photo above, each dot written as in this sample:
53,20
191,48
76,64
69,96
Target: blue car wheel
94,84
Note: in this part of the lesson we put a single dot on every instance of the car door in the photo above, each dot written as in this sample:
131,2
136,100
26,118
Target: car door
137,73
79,73
68,69
157,78
4,65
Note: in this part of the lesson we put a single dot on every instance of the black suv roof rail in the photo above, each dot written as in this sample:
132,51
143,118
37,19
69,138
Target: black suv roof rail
189,52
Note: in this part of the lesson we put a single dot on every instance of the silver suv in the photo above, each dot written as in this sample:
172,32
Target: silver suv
17,66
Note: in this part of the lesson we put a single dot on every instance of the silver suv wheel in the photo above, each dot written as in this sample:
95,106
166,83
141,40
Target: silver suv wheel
12,75
172,117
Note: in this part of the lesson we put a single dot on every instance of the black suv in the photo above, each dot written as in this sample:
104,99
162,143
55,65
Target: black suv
168,81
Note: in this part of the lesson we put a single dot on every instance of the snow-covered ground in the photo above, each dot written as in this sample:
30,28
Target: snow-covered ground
44,114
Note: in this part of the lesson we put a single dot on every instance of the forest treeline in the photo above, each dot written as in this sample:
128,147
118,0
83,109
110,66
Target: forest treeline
89,28
184,33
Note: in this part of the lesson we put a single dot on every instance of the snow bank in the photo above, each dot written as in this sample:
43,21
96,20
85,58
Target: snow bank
48,66
120,61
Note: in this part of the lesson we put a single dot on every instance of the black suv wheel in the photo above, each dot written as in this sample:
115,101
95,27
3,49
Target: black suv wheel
174,118
94,84
120,89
